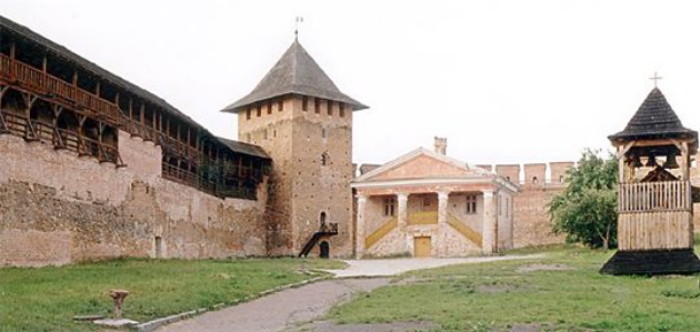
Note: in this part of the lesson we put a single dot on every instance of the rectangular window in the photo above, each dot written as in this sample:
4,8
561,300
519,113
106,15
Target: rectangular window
317,105
259,110
341,109
247,113
389,207
269,108
471,204
280,105
304,103
330,107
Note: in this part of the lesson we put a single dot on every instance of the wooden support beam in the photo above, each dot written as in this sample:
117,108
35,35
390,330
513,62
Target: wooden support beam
44,64
12,50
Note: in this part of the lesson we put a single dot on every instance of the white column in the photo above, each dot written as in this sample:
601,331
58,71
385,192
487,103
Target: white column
489,223
402,199
360,229
443,197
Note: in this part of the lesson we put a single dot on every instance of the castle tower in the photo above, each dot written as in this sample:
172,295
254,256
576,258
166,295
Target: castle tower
303,121
655,200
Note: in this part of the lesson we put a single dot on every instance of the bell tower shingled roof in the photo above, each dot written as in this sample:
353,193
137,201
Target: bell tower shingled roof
297,73
654,119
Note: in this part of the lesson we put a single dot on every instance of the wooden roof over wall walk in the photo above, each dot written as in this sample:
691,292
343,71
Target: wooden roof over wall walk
8,26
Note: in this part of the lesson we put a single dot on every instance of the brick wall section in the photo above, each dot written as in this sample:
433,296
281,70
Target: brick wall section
531,222
57,208
535,173
510,172
559,169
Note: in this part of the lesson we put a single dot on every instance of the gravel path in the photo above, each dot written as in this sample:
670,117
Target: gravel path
290,309
390,267
278,311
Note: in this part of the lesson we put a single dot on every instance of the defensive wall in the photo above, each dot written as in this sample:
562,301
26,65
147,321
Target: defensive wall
59,207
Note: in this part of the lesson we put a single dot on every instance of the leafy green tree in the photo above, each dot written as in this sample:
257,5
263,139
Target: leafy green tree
586,211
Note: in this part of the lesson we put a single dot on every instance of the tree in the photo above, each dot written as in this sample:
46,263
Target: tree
586,211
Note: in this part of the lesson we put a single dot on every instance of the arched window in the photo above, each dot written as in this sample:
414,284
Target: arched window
534,180
561,179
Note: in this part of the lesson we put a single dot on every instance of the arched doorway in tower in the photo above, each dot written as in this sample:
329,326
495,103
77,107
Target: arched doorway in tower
324,249
322,221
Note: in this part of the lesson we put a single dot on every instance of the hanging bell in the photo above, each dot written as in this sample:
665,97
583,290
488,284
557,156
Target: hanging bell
635,161
651,161
671,161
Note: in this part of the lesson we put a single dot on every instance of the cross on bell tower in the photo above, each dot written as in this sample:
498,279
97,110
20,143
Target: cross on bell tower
656,79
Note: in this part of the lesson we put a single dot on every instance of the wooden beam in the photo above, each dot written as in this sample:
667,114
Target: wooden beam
12,50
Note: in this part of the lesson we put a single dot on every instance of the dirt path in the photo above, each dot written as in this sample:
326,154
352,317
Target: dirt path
292,309
281,310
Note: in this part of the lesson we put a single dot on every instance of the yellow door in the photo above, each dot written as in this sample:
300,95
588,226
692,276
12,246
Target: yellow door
422,246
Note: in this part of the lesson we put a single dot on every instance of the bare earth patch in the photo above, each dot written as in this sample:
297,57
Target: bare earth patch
326,326
492,289
544,267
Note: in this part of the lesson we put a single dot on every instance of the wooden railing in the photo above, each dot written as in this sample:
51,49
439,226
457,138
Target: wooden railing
176,174
465,230
422,218
654,196
381,232
40,82
43,131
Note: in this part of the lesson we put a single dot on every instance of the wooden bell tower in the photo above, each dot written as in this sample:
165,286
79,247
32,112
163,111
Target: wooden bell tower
655,196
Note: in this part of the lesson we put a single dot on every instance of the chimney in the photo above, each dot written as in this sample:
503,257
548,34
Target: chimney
441,145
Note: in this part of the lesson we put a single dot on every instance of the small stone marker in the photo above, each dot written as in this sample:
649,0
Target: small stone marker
118,295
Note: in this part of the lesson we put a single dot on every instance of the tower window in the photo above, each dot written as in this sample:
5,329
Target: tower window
269,108
280,105
389,207
247,114
341,109
325,159
259,110
534,180
265,134
304,103
317,105
471,204
330,107
324,133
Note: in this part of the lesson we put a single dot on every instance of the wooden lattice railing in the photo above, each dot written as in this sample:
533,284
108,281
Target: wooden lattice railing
655,196
381,232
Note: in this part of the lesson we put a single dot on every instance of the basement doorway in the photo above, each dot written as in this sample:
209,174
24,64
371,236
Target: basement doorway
325,249
422,246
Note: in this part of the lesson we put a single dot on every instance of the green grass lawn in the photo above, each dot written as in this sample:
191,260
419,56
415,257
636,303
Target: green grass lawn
46,299
495,296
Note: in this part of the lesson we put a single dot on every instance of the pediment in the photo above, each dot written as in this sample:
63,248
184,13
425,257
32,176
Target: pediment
421,164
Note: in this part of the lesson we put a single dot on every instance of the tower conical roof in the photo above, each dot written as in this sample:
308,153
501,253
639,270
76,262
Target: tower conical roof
295,73
654,119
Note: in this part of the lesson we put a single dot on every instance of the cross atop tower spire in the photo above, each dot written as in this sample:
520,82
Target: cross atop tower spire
656,79
299,20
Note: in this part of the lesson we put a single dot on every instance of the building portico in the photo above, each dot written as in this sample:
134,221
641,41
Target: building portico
427,204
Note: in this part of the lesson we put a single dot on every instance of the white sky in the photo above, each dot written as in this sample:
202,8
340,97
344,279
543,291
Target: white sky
504,81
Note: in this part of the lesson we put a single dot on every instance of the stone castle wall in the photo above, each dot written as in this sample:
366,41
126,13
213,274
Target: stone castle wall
56,208
538,184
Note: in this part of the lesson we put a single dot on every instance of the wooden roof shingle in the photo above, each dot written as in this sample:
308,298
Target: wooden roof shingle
297,73
654,119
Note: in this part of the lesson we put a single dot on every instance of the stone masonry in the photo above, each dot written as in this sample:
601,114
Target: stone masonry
59,208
